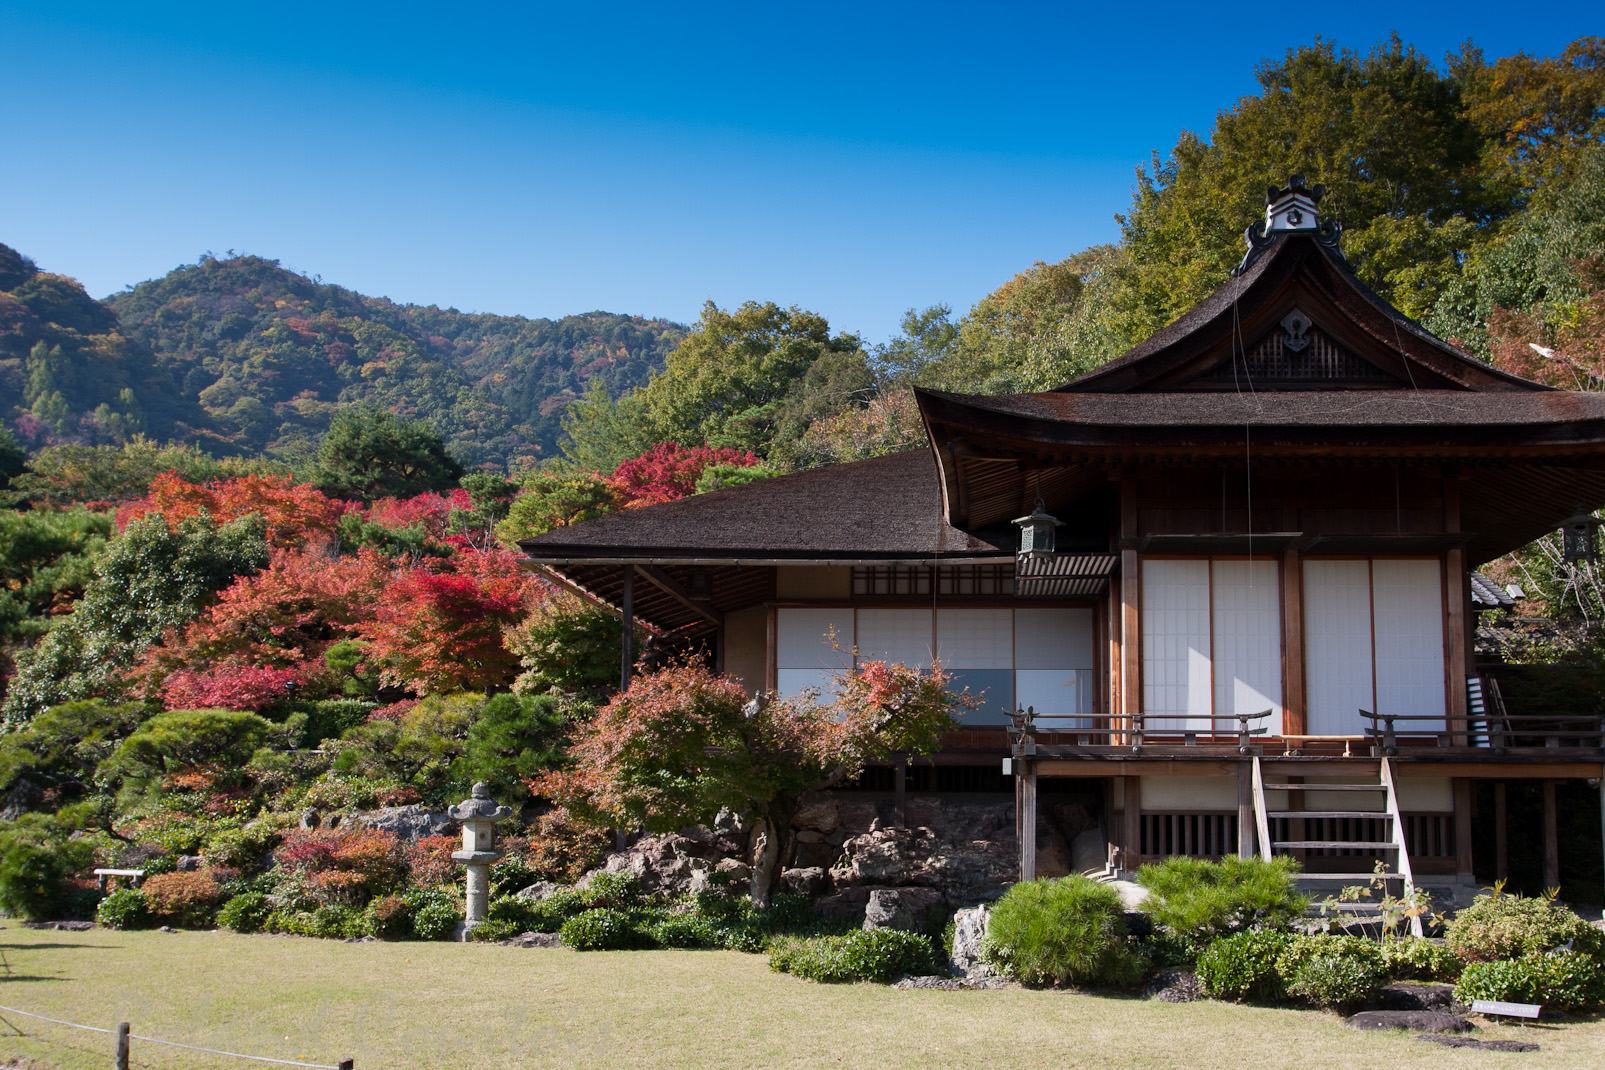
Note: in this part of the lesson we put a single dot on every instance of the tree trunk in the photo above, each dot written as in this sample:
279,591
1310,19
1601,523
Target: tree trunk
777,846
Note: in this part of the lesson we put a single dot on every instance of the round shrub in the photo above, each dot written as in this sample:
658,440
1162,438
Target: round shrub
1243,966
864,955
685,931
1329,970
247,912
123,909
390,918
614,891
33,879
1497,927
1198,899
435,914
603,929
186,899
1563,979
1066,931
1416,959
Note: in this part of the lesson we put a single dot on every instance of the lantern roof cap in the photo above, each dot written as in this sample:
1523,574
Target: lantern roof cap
1039,514
479,806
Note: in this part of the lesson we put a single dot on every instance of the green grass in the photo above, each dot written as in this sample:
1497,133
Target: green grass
409,1005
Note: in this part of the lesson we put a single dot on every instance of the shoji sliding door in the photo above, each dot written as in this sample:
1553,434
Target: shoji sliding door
1175,643
1247,641
1408,600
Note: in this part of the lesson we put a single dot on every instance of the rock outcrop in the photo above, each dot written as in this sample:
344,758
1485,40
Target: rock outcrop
408,822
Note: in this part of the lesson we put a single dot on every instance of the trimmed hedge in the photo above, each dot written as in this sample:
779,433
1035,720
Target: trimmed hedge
1415,959
864,955
123,909
1066,931
1563,979
1243,966
604,929
246,913
1497,927
1329,970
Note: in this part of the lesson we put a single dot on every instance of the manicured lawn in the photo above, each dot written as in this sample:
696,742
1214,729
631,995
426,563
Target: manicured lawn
410,1005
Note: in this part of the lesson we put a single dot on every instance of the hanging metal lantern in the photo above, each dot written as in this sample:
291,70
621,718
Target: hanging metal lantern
1580,537
1037,534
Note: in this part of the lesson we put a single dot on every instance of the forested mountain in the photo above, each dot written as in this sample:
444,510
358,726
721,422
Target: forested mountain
242,356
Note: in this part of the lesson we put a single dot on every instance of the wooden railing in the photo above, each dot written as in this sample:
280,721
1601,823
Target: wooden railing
1136,730
1500,733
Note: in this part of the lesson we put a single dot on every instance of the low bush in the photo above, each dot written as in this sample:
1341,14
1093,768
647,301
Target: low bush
685,931
435,913
390,918
1243,966
331,921
123,909
1562,979
184,899
612,891
603,929
1330,970
1066,931
1497,927
34,876
863,955
1415,959
1198,899
246,913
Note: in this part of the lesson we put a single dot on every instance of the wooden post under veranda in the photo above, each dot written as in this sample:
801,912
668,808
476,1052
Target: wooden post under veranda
1027,776
1551,838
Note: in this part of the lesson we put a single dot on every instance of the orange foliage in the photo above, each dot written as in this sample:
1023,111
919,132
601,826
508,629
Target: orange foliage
294,512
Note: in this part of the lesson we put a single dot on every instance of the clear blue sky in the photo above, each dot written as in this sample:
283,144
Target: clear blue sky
856,159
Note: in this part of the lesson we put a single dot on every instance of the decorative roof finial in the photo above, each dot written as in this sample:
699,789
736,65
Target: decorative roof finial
1288,210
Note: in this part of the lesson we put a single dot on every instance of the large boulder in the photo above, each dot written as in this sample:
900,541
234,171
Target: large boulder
408,822
810,882
1418,996
969,929
905,909
1414,1021
670,863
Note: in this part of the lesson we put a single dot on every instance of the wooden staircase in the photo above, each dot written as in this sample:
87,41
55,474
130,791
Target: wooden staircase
1393,848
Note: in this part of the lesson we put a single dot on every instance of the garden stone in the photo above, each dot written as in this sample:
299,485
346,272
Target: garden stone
188,864
903,909
60,926
1415,1021
969,929
1089,852
1478,1045
409,823
538,890
533,940
847,903
951,983
167,929
1174,986
821,817
810,883
310,818
1418,996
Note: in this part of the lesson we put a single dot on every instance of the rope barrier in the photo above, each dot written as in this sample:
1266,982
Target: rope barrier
174,1043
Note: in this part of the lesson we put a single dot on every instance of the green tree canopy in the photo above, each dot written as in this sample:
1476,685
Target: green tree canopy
373,453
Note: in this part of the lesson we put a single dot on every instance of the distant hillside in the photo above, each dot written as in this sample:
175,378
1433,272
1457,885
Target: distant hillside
67,371
269,354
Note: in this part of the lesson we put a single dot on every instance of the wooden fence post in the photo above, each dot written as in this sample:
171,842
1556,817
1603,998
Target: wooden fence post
347,1064
122,1046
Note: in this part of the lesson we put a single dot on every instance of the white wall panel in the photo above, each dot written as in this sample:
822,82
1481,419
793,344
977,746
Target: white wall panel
1248,640
801,640
1337,646
1053,639
1408,595
975,638
897,635
1175,642
793,682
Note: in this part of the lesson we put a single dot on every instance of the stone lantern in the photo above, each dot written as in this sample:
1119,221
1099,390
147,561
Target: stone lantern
478,815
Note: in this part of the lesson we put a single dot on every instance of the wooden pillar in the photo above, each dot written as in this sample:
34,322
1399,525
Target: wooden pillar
1455,582
1132,856
1245,810
627,643
1028,820
771,667
1551,838
1501,835
1463,865
122,1046
1130,604
900,792
1602,803
1294,719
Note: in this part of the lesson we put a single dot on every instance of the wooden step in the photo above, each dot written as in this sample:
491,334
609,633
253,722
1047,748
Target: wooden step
1374,845
1378,814
1325,787
1349,878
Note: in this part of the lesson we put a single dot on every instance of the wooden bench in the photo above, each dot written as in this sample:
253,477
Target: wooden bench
105,876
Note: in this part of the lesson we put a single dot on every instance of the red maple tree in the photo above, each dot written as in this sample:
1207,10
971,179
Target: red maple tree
294,512
669,471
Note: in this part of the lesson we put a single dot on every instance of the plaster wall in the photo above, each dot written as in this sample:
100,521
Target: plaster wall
746,645
813,583
1189,793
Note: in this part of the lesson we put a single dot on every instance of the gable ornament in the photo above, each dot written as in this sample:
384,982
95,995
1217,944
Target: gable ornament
1290,209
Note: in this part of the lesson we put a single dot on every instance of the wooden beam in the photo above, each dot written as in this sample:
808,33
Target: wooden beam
900,792
1501,833
1463,863
1294,719
1551,838
1245,810
667,584
627,640
1028,821
574,589
771,667
1131,858
1130,603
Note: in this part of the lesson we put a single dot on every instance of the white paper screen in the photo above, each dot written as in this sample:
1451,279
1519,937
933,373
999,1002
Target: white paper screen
1247,615
1408,596
1175,644
1337,646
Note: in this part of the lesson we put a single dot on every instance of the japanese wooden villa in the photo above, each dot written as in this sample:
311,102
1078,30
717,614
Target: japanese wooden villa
1254,627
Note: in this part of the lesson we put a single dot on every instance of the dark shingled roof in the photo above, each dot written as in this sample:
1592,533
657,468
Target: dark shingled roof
1542,418
883,508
